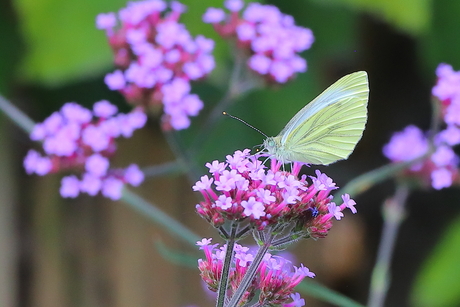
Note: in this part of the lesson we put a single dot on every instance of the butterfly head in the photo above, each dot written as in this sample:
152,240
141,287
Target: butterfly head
272,146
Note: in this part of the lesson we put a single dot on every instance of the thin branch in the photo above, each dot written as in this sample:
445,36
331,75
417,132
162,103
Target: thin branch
16,115
393,215
154,214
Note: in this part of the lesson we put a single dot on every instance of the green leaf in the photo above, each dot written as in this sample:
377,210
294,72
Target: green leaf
62,41
437,283
441,44
324,294
410,16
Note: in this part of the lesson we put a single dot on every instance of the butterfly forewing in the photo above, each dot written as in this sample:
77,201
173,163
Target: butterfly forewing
328,128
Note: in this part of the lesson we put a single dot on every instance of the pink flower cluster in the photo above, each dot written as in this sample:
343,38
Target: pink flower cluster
157,58
271,37
75,137
243,189
276,277
440,169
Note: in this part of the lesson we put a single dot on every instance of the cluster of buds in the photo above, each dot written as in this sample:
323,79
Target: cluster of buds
242,189
439,169
75,137
271,37
157,58
274,282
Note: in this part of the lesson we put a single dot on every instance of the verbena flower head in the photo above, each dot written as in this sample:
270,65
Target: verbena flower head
439,169
243,190
157,58
75,138
274,282
271,37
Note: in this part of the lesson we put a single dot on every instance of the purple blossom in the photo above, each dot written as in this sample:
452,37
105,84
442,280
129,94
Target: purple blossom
178,7
38,132
112,187
224,202
213,15
216,166
243,189
244,259
73,112
133,175
322,182
106,21
90,184
441,178
193,70
97,165
452,116
95,137
443,156
272,37
246,31
335,211
73,139
450,136
448,85
34,163
116,80
234,5
158,68
203,184
253,208
281,71
104,109
204,242
260,63
172,56
53,123
70,187
406,145
349,203
297,301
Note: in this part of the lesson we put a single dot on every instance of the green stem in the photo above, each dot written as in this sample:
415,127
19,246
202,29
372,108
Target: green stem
159,217
320,292
250,273
393,215
223,285
238,86
365,181
182,155
16,115
167,168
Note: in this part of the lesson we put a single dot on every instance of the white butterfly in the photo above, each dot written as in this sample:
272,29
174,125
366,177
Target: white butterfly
327,129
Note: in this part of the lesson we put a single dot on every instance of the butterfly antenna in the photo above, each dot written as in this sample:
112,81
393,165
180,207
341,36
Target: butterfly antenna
244,122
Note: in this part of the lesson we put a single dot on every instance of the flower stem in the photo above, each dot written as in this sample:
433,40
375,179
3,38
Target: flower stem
238,86
16,115
251,272
365,181
393,215
223,284
154,214
167,168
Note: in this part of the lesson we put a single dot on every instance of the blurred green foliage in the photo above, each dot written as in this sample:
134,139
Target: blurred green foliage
438,282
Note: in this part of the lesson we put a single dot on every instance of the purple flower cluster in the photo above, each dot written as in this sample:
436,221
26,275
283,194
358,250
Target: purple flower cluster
275,280
272,37
440,169
242,189
75,137
157,58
